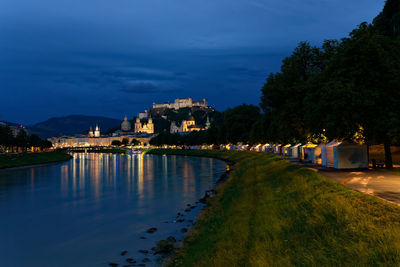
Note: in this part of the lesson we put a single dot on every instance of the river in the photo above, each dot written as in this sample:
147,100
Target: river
86,211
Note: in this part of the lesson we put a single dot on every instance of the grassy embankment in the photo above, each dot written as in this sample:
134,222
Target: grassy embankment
26,159
273,213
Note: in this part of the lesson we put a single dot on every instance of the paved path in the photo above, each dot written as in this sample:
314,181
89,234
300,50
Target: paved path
379,183
374,182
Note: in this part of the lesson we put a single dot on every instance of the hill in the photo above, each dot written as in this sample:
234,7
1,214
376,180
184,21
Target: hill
71,125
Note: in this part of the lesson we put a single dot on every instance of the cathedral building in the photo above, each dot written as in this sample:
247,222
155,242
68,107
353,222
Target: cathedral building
142,132
126,125
95,133
144,127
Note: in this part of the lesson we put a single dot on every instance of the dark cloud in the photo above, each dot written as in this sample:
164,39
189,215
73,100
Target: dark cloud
147,88
140,88
63,57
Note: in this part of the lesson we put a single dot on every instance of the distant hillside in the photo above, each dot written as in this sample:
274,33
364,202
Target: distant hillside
71,125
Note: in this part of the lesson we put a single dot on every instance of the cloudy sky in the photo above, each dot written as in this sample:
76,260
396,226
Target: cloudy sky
111,58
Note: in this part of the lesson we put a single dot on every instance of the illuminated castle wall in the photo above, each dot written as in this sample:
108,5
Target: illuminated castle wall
182,103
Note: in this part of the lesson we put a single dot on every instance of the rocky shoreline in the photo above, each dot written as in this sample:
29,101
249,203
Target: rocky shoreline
165,248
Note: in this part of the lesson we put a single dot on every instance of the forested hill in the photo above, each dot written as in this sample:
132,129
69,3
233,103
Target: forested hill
70,125
388,21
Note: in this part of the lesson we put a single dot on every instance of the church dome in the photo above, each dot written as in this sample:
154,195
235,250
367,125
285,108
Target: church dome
191,118
126,125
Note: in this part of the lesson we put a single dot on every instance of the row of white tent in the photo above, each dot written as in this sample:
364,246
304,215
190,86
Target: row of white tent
336,154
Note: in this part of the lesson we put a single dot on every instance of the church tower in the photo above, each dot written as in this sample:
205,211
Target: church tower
97,131
138,126
91,134
150,126
208,124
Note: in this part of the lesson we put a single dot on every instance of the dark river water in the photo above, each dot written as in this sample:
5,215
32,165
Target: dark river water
88,210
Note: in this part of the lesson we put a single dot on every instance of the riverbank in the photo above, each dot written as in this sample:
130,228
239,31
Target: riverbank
271,212
28,159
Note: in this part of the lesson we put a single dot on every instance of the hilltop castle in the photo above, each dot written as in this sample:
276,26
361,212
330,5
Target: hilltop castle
182,103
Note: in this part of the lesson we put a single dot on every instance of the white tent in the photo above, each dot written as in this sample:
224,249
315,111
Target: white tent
294,151
278,149
316,159
270,148
324,160
308,151
350,156
264,147
344,155
257,148
285,150
330,161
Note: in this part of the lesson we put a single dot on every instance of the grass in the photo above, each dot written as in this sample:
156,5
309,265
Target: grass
272,213
25,159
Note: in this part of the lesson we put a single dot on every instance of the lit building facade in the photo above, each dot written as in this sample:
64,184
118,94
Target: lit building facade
142,132
144,127
187,126
182,103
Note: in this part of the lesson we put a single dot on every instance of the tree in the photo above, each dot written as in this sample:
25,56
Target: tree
46,144
212,135
388,21
35,141
360,89
238,122
135,142
259,131
22,139
6,137
165,138
125,141
284,93
116,143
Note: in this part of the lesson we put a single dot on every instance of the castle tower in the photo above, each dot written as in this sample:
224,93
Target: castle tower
97,131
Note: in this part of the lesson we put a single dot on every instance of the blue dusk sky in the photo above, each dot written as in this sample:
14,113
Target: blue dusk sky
111,58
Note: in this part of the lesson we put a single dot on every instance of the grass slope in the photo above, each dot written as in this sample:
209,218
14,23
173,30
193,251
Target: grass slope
272,213
25,159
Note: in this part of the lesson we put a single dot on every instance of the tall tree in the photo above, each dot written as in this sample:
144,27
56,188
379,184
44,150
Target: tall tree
6,137
360,89
284,93
388,21
238,122
22,139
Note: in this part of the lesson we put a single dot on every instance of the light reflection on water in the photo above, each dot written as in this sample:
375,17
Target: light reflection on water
86,211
